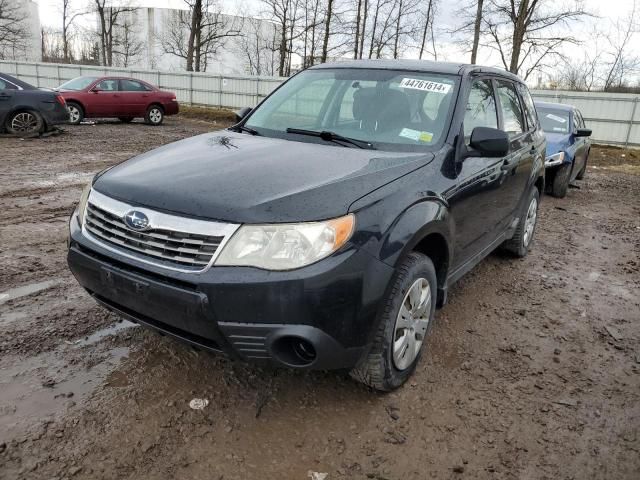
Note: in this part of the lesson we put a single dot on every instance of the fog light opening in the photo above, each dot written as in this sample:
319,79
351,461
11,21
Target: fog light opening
294,351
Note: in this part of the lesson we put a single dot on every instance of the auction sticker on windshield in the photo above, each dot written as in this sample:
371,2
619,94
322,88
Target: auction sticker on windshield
425,85
556,118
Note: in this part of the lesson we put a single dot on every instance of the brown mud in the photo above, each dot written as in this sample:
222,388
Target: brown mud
532,370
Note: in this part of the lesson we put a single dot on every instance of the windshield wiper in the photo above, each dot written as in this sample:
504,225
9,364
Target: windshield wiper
242,128
332,137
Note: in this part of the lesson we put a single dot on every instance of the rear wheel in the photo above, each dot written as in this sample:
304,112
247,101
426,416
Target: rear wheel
521,241
125,119
154,116
76,113
560,183
406,321
25,122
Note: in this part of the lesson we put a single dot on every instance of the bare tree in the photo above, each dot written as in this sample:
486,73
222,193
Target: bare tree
13,29
622,58
127,45
69,16
109,17
428,26
523,32
259,47
196,35
476,31
51,45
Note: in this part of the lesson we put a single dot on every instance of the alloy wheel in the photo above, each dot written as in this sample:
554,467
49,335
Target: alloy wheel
74,114
24,122
530,222
155,115
412,323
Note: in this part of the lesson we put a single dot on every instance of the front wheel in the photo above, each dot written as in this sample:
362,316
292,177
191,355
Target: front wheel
76,113
25,123
521,241
406,321
560,183
154,115
583,171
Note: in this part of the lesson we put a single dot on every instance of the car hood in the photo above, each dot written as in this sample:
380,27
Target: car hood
252,179
557,142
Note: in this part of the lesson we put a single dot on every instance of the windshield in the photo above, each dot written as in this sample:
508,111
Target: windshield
553,121
391,110
79,83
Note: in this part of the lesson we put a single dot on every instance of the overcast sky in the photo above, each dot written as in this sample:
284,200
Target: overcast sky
606,11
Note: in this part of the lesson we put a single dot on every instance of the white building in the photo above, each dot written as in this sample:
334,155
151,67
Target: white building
25,47
161,34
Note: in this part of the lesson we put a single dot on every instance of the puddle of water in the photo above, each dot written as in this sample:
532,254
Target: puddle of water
25,290
106,332
25,402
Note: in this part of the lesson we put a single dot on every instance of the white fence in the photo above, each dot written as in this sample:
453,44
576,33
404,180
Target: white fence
614,117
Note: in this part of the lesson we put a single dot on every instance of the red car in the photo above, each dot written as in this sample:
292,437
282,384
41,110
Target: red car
117,97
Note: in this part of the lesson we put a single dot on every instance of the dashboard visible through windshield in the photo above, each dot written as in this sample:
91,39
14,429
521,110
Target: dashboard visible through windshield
384,109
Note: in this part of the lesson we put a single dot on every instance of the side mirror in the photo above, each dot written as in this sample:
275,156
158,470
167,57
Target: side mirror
243,112
583,132
489,142
96,90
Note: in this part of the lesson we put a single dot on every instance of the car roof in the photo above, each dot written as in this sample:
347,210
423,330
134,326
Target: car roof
18,82
555,106
450,68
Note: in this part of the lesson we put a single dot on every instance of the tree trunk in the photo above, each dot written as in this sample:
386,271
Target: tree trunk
365,12
357,39
373,32
519,30
476,32
396,41
327,30
196,12
426,30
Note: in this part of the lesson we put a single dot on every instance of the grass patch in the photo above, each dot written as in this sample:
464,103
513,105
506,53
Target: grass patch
215,115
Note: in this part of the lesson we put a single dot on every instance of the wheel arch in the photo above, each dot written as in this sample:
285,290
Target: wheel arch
426,228
23,108
78,102
155,103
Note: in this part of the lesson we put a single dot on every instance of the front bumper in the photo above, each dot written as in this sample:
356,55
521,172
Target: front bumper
245,312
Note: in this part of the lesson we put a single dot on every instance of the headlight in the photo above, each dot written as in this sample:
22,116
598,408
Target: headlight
82,204
555,159
286,246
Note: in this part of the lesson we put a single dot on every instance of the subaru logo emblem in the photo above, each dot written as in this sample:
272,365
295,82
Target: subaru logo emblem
136,220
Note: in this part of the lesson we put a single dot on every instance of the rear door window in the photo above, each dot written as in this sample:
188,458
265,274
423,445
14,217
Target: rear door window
512,116
481,108
133,86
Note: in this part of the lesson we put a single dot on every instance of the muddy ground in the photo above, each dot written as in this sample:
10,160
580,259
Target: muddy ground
532,371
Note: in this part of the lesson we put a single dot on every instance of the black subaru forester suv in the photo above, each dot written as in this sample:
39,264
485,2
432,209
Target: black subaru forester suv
322,229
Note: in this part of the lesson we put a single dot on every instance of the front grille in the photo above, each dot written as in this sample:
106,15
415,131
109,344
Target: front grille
189,250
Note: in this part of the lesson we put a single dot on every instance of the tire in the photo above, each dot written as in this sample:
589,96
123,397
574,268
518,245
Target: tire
154,115
76,113
126,119
560,183
521,241
582,172
383,368
25,122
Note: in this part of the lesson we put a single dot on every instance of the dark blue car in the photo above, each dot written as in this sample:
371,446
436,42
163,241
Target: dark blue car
568,145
